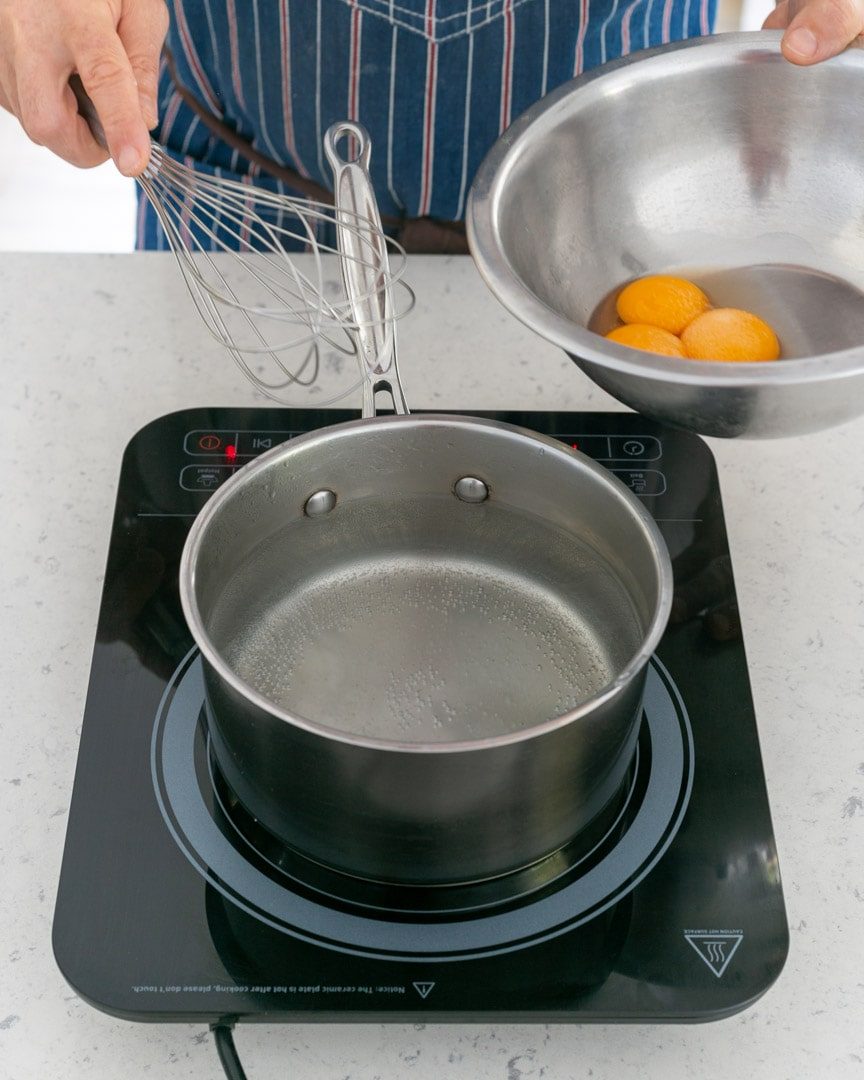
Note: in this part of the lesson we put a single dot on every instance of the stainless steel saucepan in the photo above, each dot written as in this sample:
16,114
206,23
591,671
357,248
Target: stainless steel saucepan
424,637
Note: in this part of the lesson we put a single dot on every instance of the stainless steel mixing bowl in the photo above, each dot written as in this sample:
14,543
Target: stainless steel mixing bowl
716,158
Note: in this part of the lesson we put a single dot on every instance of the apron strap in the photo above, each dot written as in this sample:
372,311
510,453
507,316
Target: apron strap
417,235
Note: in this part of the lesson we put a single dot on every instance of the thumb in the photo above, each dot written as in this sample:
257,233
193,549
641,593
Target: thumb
142,31
821,29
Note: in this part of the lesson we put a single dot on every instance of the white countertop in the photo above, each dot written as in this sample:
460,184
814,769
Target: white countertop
92,348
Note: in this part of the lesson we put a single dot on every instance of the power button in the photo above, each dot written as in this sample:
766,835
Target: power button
206,443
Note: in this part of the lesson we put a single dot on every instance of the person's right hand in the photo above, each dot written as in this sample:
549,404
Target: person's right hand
114,46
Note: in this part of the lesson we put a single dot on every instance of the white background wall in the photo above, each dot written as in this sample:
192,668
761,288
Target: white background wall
47,205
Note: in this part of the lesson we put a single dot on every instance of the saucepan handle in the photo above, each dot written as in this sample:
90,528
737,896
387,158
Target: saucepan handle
365,265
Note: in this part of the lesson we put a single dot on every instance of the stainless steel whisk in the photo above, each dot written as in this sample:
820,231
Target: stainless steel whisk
272,316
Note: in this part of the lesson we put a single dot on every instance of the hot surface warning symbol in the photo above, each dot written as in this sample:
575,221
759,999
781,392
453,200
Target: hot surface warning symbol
423,988
715,947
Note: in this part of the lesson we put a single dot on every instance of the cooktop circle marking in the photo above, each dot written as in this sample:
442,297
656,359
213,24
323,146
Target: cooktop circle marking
227,870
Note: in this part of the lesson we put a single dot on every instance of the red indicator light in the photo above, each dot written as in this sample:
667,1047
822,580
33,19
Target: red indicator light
574,446
231,452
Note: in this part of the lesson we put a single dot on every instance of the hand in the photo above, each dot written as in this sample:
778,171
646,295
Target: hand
816,29
114,46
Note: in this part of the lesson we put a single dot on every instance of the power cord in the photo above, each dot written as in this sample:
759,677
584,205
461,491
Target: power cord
227,1051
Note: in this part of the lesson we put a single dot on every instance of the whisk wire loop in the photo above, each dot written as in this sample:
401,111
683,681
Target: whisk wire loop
235,243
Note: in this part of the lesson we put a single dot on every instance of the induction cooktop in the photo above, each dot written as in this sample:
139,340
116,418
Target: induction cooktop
174,905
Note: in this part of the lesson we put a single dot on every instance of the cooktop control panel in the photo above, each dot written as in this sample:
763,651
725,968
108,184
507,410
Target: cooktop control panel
214,454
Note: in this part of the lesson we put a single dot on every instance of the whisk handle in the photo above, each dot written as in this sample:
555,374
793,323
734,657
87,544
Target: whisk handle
365,264
87,109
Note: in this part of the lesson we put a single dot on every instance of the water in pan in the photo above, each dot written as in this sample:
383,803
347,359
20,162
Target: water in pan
428,641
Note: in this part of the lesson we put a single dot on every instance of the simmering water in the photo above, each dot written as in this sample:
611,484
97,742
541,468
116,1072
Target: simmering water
422,646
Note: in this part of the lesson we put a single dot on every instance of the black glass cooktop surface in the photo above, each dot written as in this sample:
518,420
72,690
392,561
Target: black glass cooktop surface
174,905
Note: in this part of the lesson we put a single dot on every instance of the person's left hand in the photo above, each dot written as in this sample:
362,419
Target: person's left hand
816,29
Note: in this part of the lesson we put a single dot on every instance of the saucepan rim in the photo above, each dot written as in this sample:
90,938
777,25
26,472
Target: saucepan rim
198,536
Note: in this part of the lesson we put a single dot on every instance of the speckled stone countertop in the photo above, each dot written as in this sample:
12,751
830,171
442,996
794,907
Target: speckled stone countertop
91,349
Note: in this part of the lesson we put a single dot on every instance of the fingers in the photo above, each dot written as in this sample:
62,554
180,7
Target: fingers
82,149
142,31
107,76
816,29
113,45
6,101
779,17
48,113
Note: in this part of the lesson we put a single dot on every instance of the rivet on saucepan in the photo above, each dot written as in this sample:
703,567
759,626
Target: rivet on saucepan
471,490
320,503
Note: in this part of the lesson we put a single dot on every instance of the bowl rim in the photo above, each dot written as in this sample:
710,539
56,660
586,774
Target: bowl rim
490,258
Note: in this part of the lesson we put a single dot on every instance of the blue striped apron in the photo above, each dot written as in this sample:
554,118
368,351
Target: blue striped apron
434,81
